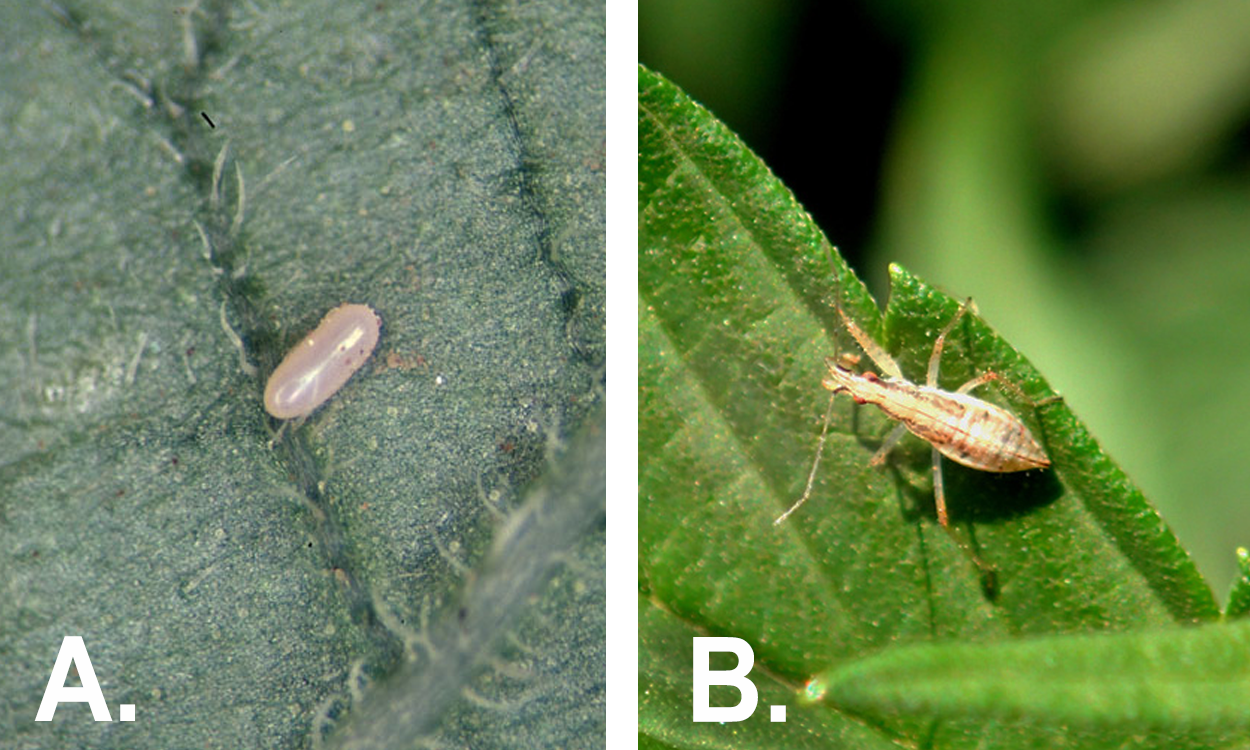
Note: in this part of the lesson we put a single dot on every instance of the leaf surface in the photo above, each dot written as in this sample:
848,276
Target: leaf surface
441,162
1193,679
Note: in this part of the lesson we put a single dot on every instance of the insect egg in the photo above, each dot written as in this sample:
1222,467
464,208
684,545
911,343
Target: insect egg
322,362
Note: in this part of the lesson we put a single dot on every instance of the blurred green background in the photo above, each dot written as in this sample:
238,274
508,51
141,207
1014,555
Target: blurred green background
1082,169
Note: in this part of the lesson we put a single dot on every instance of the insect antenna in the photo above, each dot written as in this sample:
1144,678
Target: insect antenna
811,476
824,430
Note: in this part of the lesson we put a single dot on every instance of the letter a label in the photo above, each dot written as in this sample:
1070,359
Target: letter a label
73,651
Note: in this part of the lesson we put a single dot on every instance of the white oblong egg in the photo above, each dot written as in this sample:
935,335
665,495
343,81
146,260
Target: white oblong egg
322,362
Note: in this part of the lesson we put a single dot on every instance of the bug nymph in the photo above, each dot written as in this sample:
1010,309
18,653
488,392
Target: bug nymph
960,426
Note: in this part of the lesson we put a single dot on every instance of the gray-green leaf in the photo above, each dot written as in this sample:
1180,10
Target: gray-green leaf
441,162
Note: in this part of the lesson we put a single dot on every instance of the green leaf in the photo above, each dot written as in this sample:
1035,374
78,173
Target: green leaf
736,318
442,163
1239,594
1170,679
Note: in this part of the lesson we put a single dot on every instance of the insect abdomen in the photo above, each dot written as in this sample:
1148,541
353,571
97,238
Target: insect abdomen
964,428
987,437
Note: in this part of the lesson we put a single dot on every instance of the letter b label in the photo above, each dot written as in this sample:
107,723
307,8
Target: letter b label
705,678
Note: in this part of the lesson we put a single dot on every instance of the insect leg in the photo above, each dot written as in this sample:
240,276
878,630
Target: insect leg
989,576
888,444
979,380
811,477
875,352
931,379
1019,393
939,492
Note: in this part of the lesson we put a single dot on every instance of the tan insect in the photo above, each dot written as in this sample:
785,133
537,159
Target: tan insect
958,425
